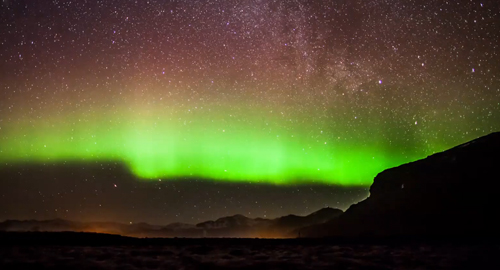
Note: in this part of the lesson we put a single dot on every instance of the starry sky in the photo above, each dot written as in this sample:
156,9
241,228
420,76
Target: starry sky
177,110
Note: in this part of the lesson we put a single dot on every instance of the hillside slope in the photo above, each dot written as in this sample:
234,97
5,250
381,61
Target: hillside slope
452,193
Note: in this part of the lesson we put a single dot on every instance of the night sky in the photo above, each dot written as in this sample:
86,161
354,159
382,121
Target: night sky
188,110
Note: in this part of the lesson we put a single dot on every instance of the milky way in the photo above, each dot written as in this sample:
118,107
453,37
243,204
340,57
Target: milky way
259,91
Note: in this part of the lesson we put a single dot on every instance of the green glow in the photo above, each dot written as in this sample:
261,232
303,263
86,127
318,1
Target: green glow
242,146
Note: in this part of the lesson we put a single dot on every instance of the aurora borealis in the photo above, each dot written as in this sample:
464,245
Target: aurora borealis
287,94
210,143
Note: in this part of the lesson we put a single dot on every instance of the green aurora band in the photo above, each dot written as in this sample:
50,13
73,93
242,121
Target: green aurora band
246,145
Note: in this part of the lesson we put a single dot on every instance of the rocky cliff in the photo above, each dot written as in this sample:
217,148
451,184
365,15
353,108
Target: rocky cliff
452,193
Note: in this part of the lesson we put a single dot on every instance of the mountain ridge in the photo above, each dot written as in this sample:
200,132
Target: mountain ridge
230,226
451,193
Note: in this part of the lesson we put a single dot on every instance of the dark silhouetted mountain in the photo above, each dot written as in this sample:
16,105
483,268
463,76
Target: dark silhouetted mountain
231,226
44,225
448,194
290,223
241,226
233,222
57,225
179,226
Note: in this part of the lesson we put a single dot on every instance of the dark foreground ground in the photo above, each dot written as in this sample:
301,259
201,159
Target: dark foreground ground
92,251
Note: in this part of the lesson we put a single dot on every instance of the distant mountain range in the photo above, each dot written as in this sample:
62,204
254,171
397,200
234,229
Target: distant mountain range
231,226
